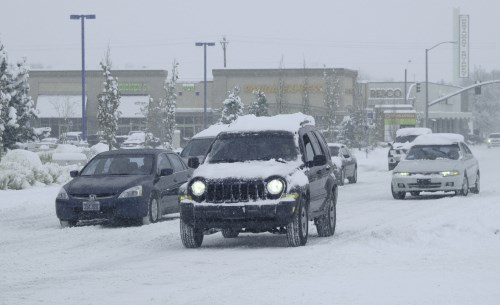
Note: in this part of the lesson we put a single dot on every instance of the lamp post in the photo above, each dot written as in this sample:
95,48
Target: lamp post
205,44
426,106
84,119
406,79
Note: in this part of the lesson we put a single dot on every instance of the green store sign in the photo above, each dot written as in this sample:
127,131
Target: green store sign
135,87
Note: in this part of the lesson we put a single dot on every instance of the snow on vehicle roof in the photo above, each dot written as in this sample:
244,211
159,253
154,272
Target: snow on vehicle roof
336,144
412,131
438,139
280,122
211,131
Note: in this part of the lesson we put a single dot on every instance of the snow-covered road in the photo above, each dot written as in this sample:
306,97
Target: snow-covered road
437,250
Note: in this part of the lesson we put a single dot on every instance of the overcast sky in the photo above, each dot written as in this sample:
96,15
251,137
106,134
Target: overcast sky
378,38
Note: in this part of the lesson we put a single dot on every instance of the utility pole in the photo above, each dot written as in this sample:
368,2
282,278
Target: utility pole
223,43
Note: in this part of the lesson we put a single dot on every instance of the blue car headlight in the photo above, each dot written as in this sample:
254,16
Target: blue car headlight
135,191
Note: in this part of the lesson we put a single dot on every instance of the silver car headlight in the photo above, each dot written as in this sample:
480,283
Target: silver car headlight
449,173
62,194
135,191
275,186
403,174
198,188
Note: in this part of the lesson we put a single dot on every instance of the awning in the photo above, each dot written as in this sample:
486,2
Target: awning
59,106
130,105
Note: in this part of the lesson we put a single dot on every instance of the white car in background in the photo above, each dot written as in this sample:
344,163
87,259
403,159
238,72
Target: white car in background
493,140
402,143
436,162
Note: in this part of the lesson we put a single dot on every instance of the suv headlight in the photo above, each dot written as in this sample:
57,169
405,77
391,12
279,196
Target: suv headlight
62,194
449,173
275,186
135,191
198,188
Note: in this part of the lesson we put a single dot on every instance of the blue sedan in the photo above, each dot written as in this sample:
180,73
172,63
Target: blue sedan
134,184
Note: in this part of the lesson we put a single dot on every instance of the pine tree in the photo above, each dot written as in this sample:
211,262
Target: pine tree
170,104
5,88
332,98
259,106
152,112
108,102
233,107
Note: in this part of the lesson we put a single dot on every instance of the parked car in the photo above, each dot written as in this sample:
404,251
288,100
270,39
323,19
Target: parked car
262,174
402,143
140,140
346,165
45,144
73,137
199,144
493,140
437,162
136,184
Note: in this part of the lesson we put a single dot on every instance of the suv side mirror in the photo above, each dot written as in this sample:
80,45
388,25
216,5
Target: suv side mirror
73,174
319,160
193,162
166,172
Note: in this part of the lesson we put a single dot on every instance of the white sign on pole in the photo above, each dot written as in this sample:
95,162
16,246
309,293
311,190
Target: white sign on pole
463,46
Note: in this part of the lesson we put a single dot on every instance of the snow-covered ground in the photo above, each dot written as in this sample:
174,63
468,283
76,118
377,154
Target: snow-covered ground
437,250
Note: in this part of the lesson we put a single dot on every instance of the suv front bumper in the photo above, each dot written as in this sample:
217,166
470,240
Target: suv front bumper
254,215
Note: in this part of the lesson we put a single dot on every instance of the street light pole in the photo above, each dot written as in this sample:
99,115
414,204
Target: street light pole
426,106
205,44
84,119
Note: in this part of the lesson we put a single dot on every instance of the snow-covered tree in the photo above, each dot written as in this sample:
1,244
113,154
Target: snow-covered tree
152,112
5,89
332,97
306,103
16,106
233,107
259,106
281,94
169,106
108,103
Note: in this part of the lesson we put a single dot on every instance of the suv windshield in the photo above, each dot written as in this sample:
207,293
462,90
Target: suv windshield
253,146
404,139
197,147
119,165
433,152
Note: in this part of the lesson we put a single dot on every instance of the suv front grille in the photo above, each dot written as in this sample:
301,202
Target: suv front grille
235,191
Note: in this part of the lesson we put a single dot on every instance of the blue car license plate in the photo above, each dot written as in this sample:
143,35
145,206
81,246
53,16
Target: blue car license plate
91,206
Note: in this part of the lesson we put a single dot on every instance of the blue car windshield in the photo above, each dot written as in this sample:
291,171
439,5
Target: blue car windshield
119,165
433,152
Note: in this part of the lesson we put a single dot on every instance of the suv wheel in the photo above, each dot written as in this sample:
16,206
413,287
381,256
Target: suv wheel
191,237
298,229
230,233
325,224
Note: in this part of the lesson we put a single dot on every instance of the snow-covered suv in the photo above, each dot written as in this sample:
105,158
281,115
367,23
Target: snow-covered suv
262,174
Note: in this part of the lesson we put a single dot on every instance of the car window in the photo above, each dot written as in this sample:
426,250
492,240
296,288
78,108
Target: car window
176,162
308,146
163,162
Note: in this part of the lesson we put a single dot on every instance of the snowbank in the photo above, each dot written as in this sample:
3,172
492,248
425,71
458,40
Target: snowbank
20,169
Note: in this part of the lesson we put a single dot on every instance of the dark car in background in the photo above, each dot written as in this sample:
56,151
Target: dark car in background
134,184
199,144
346,165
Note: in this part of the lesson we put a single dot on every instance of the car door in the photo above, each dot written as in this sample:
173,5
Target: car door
164,183
471,163
180,176
348,162
316,173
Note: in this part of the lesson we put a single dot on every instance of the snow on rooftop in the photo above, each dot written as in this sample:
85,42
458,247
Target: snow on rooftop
438,139
281,122
211,131
412,131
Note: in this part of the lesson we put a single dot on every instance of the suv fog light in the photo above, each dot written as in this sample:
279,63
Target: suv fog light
449,183
402,185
